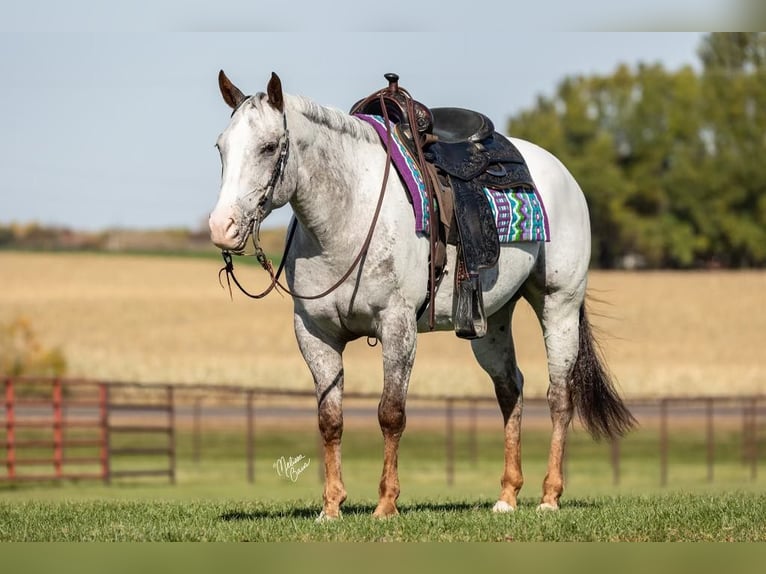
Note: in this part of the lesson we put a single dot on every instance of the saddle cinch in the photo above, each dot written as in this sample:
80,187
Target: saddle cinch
459,153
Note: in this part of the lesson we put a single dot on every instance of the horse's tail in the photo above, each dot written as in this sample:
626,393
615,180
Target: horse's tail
601,409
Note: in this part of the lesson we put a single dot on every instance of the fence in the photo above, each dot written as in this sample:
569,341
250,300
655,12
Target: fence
40,415
19,420
140,416
77,429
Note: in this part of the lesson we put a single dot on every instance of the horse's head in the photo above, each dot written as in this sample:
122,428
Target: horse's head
254,150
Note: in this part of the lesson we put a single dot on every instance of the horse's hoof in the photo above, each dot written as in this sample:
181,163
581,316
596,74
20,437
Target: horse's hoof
547,507
326,517
385,512
502,506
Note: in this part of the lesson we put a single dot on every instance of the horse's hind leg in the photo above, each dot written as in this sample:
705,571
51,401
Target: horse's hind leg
398,337
559,318
324,359
495,353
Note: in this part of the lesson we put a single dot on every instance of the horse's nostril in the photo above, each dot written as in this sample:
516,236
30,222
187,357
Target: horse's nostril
230,230
224,230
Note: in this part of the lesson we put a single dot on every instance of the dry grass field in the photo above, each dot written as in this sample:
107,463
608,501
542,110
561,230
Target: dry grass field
158,319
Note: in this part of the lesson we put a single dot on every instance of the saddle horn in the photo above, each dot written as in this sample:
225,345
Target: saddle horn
393,81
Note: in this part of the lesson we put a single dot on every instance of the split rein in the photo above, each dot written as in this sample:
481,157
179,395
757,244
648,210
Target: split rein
228,267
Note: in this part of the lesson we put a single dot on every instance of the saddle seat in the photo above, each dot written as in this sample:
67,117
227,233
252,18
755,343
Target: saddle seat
454,125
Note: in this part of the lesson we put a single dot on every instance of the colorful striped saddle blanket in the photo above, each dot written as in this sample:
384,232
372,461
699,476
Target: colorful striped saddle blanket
519,213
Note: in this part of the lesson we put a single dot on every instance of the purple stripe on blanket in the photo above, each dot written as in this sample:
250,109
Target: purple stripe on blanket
407,169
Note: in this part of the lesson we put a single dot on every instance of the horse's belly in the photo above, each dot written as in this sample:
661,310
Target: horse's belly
499,284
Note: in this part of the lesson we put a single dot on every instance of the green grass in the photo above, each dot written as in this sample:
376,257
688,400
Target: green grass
673,517
212,499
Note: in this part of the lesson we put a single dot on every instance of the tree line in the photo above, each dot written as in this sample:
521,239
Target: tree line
672,163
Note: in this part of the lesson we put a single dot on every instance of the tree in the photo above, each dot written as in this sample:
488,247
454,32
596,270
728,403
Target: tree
734,89
22,354
733,52
670,162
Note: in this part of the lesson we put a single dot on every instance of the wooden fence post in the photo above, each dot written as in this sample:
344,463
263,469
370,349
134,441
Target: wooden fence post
710,439
250,437
10,428
197,430
170,394
615,455
58,429
753,438
450,441
663,442
103,407
473,445
745,435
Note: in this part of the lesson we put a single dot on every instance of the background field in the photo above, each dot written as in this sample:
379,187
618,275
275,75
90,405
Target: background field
156,319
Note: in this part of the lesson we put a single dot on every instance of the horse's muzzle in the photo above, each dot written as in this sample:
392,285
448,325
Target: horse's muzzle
228,234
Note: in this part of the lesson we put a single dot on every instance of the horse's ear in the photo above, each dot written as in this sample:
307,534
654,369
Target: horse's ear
274,90
231,93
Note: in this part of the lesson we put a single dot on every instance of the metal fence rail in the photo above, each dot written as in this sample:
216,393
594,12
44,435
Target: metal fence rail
40,413
131,422
82,429
36,431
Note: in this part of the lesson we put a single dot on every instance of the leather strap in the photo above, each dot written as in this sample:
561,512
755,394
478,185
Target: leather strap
433,226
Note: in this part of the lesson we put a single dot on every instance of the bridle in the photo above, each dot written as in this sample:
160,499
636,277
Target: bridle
276,177
278,174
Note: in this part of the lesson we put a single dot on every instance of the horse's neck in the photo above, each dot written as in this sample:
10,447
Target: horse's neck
334,181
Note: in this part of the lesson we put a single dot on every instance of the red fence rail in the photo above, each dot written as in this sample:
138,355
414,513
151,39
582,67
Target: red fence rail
38,424
40,415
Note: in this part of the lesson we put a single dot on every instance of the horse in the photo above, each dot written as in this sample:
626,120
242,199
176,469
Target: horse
359,269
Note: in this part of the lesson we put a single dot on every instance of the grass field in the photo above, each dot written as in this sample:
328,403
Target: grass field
167,320
213,501
676,517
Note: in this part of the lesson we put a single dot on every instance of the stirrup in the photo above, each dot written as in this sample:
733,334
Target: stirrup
468,309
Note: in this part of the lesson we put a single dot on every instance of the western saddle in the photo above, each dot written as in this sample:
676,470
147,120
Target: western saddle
459,154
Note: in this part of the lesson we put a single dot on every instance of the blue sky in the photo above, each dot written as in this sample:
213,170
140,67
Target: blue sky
117,128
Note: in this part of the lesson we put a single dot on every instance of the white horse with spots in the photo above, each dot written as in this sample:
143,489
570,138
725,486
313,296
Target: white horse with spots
332,177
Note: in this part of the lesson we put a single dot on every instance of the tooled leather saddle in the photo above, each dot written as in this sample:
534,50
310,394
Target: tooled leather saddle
460,154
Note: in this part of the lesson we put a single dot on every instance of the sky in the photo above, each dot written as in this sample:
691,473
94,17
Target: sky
117,128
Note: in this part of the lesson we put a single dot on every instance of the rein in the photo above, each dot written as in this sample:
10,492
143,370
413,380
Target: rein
228,267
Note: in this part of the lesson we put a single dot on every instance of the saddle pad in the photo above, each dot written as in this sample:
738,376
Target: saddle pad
407,168
519,212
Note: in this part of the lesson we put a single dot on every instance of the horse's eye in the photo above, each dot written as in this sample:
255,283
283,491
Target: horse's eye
270,147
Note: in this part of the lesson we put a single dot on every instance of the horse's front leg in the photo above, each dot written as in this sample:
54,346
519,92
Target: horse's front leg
398,336
324,359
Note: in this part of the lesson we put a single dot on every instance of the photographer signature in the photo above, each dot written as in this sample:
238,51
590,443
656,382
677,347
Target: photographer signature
291,467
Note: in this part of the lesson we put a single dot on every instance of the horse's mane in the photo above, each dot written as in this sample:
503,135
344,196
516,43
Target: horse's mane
334,119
